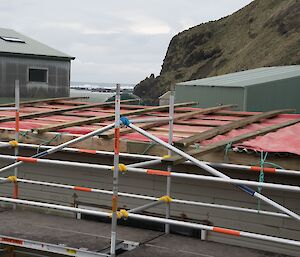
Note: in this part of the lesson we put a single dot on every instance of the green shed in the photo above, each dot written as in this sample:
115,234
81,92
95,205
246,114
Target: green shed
261,89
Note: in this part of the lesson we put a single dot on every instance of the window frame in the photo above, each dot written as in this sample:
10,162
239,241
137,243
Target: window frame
38,68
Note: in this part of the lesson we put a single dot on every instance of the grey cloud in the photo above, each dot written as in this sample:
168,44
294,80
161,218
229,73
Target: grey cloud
113,41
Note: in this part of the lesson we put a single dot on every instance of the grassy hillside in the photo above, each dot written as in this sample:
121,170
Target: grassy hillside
264,33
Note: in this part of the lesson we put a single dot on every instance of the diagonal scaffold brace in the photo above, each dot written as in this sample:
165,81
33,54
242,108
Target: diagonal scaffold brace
215,172
61,146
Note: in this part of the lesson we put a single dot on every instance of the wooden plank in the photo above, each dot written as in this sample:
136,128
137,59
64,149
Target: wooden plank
47,100
59,111
228,127
106,118
219,145
183,116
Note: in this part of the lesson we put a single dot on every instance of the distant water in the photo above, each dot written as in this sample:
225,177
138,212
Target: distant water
95,96
93,85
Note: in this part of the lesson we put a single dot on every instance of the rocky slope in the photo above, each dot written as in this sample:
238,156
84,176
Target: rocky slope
264,33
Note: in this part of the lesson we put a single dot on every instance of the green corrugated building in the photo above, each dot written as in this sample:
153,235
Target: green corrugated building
261,89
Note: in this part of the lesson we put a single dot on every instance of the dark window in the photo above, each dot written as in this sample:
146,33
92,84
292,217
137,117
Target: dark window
13,39
38,75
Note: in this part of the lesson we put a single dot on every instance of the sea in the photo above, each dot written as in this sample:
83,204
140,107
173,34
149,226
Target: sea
86,89
83,89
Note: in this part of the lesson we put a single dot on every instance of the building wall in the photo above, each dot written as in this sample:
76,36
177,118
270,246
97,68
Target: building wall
13,68
274,95
210,96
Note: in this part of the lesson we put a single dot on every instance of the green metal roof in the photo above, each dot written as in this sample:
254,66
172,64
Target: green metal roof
247,78
30,47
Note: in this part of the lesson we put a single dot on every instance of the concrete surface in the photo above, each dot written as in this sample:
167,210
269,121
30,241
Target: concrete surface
95,236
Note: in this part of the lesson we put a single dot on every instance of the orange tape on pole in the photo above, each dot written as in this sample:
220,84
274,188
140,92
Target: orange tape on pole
84,189
159,173
27,159
227,231
17,128
16,191
267,170
117,140
87,151
114,206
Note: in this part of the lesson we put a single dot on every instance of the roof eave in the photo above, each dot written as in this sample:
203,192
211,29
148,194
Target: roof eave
38,56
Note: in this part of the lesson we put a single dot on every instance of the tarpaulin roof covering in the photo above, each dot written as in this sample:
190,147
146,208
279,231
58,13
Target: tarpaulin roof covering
284,140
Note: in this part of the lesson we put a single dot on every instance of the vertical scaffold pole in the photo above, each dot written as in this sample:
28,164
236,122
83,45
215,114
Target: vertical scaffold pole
17,130
115,174
170,141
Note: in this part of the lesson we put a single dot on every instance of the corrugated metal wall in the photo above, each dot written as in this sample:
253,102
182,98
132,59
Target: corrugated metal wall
274,95
12,68
208,96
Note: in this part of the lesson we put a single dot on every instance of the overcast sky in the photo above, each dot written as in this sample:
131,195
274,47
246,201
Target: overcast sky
113,41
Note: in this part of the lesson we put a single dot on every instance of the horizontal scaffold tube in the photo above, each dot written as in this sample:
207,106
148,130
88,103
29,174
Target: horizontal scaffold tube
149,198
225,231
151,157
155,172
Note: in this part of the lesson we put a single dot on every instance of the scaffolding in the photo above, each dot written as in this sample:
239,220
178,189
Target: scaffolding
138,167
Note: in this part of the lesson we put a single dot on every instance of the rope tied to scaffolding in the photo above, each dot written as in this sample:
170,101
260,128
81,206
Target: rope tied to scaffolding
124,121
262,163
228,148
122,168
48,142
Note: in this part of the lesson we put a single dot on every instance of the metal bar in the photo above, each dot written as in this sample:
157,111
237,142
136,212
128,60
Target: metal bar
152,157
149,120
216,172
8,108
144,197
61,146
228,127
170,141
17,131
156,172
115,174
145,207
156,219
143,164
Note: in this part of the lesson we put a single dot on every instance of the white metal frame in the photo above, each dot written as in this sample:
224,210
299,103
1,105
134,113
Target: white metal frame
137,168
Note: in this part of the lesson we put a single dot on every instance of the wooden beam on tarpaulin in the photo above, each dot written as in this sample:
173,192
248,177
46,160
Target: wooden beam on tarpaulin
221,144
47,100
106,118
184,116
60,111
228,127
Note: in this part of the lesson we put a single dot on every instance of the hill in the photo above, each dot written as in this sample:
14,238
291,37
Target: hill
263,33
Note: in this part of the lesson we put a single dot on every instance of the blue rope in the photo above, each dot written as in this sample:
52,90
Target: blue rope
125,121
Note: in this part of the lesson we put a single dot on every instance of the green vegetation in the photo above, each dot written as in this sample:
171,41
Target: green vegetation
264,33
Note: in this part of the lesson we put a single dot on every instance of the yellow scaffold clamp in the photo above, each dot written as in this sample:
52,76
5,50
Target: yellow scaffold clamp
13,143
12,179
165,198
167,156
120,214
122,168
